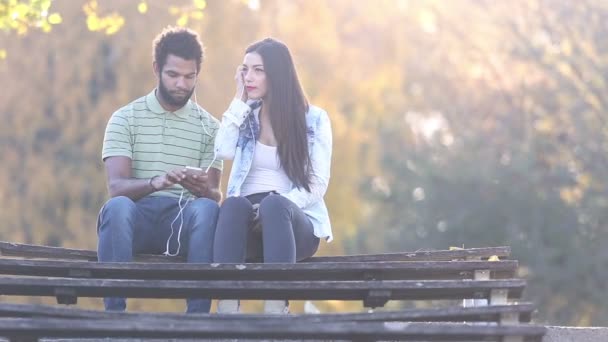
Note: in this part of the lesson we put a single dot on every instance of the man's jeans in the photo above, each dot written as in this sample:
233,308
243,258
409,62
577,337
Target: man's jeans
125,227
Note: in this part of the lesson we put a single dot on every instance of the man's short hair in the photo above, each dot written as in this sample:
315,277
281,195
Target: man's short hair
178,41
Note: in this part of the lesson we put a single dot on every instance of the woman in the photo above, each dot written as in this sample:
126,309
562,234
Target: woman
281,148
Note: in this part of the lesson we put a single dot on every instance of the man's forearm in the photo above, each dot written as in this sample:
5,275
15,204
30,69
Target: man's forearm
130,187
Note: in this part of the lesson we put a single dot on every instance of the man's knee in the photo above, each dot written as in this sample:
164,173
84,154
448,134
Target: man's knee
120,207
117,215
202,212
205,207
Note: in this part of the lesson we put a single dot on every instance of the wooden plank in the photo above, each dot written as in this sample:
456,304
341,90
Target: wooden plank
455,313
46,252
303,271
436,255
88,328
295,290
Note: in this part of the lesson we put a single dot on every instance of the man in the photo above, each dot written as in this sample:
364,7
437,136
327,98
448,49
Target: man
157,204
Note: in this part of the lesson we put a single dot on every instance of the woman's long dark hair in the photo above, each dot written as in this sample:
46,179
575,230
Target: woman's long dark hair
287,107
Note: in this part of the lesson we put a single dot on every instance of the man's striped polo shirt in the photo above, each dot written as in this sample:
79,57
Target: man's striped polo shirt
158,141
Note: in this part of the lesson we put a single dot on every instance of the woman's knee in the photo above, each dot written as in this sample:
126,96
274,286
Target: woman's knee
233,212
273,205
230,240
236,204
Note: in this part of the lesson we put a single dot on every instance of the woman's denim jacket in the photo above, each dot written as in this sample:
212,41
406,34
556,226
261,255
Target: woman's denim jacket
236,138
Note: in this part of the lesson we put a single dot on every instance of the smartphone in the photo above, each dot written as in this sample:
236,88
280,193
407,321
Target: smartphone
193,170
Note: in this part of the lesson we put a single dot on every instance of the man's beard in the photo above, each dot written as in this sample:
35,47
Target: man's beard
166,95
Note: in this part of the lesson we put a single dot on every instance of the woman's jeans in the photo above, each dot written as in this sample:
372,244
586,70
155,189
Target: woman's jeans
126,227
286,234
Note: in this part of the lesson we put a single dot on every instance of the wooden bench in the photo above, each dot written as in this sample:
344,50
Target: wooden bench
29,322
492,313
383,270
374,279
10,249
28,329
372,282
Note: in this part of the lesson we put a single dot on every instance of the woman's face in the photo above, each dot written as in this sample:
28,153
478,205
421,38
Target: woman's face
254,76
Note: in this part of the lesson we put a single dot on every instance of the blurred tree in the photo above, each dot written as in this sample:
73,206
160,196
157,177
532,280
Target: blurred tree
22,15
506,145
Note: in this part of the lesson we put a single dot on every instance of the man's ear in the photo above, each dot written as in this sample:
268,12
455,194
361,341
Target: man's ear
156,69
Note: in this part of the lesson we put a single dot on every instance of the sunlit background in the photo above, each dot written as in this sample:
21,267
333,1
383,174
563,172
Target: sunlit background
467,123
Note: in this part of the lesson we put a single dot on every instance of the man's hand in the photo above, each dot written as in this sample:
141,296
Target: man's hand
169,179
196,182
202,184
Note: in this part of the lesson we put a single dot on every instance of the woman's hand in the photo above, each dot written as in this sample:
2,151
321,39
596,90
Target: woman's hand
241,93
